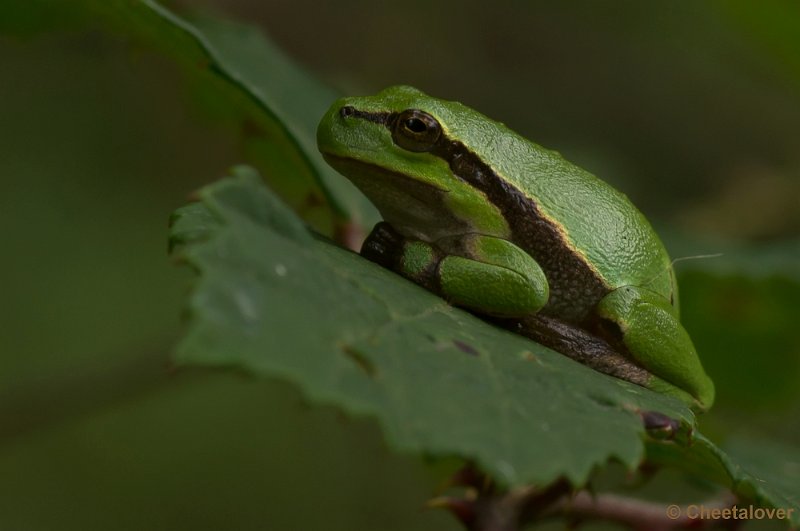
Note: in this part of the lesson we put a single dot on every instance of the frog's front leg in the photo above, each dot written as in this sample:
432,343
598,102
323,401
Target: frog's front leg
657,341
482,273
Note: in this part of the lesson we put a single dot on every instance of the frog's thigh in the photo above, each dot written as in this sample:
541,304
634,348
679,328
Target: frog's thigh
495,277
658,342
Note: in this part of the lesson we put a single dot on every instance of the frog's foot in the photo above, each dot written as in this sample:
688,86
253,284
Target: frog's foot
648,328
384,246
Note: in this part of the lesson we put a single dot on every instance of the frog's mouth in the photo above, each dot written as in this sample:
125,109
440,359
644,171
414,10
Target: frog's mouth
414,208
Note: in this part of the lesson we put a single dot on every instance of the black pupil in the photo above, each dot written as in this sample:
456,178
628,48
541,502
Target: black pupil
416,125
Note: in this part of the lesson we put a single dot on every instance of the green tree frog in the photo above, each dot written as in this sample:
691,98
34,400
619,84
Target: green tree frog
513,232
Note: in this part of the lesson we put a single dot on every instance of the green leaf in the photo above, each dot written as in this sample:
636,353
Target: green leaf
762,473
291,96
273,103
277,302
772,469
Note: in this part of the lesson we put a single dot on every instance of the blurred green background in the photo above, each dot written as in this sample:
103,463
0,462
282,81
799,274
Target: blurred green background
690,108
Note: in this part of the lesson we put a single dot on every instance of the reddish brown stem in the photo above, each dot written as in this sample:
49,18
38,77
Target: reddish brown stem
511,511
637,514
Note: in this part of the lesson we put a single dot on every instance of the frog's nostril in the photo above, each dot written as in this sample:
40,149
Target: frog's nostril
346,111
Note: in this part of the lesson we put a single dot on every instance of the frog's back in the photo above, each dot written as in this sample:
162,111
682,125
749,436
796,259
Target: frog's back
597,220
586,235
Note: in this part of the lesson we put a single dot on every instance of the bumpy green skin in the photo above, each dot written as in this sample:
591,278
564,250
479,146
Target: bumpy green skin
514,231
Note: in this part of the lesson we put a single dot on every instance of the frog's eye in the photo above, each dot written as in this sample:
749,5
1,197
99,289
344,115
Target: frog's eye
416,130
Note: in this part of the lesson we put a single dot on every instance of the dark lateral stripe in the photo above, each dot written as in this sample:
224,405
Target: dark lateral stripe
574,287
383,118
608,357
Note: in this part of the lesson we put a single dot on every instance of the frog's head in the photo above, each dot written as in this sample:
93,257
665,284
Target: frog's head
403,150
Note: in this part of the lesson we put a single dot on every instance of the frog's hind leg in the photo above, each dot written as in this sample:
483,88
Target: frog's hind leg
648,327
